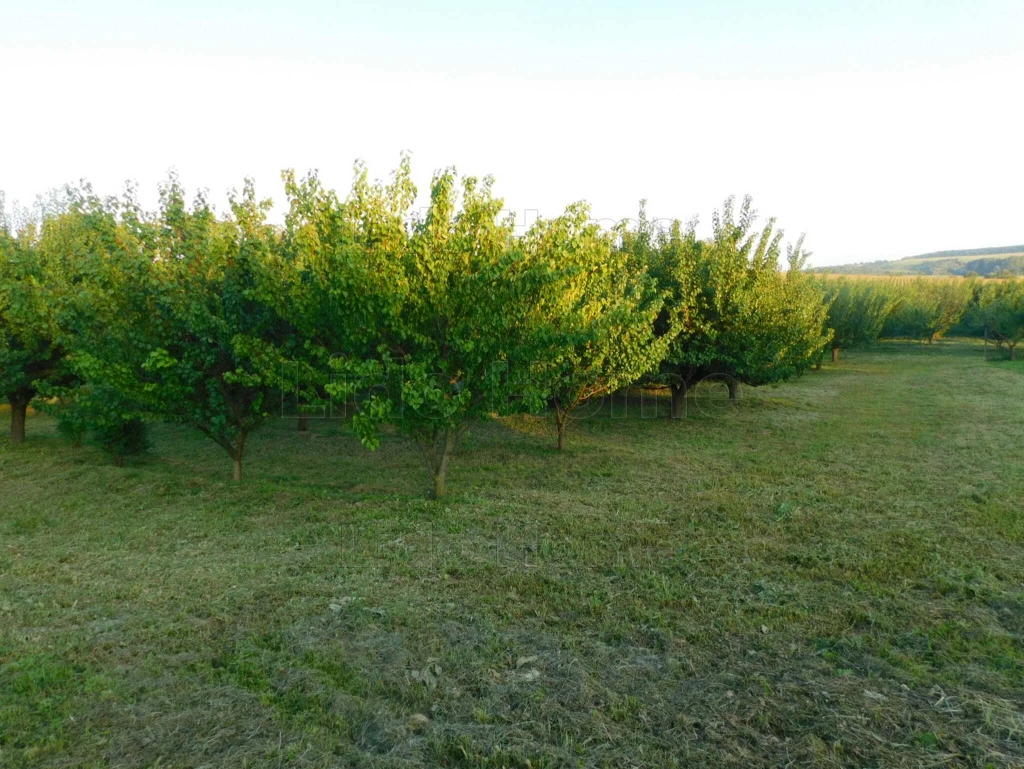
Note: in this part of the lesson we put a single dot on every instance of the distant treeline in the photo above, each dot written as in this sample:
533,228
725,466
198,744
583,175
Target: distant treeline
991,251
863,310
1002,261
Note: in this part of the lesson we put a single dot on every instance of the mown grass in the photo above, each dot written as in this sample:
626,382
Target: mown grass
830,574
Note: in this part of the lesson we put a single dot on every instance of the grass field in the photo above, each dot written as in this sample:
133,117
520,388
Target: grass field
830,574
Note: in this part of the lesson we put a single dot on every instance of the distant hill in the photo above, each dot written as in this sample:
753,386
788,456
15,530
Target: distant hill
970,261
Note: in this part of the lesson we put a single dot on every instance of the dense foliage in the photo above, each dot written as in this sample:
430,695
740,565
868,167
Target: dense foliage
159,308
925,309
455,344
31,356
113,316
732,313
857,311
595,325
1001,307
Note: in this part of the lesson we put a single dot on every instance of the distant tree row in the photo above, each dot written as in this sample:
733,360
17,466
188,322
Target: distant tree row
863,310
1002,262
113,316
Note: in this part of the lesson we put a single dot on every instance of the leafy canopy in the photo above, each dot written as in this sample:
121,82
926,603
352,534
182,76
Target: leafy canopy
857,310
161,307
595,324
1002,310
453,337
731,309
31,356
927,308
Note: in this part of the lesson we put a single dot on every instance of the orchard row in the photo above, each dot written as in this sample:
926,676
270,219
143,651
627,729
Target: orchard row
112,316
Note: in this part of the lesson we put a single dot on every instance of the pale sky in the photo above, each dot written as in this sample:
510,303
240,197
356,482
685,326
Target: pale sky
881,129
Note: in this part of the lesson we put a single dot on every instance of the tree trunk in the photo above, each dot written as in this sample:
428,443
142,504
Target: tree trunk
835,354
817,366
1013,352
440,463
560,420
931,338
236,457
678,401
302,424
19,410
118,461
734,389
